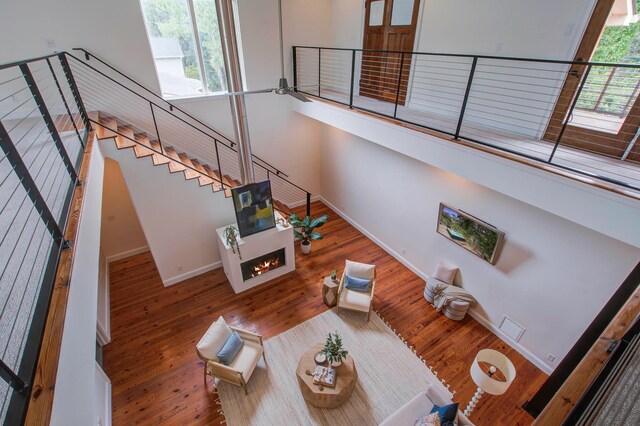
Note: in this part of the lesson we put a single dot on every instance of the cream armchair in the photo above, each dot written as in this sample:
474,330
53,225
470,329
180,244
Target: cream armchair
240,369
357,300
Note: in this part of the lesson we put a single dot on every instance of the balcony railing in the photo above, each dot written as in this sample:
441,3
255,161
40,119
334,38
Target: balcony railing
579,117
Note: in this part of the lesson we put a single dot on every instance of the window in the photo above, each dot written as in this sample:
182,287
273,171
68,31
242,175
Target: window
187,66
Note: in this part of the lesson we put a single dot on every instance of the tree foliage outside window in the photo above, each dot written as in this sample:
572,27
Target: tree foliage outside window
618,44
169,25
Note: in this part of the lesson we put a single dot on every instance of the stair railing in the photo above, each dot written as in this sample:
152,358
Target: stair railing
106,89
43,132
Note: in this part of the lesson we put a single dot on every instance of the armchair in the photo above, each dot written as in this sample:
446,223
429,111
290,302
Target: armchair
357,300
240,369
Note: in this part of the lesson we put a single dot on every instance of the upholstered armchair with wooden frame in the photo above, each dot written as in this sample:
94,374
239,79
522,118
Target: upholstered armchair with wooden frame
357,300
240,369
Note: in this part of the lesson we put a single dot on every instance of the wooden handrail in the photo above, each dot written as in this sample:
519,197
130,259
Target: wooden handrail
44,381
587,370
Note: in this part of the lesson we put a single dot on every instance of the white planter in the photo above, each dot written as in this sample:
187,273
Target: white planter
306,248
336,364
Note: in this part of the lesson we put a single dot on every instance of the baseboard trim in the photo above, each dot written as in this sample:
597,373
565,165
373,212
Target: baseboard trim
375,239
127,253
192,273
474,314
515,345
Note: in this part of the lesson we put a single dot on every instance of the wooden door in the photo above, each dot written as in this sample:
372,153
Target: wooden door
611,143
390,25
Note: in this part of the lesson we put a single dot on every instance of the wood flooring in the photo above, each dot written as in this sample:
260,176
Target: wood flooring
157,377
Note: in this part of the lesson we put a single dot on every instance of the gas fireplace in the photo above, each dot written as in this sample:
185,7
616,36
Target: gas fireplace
263,264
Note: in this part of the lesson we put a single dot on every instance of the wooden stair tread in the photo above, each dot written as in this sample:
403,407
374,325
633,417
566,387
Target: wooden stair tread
204,176
142,147
123,142
174,162
103,132
189,173
217,182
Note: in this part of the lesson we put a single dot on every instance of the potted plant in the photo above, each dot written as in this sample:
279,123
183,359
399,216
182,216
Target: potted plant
305,230
333,350
230,234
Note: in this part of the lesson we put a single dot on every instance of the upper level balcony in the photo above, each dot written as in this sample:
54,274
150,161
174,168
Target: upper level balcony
578,119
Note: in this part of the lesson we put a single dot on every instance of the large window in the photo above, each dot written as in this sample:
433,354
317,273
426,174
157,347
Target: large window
185,42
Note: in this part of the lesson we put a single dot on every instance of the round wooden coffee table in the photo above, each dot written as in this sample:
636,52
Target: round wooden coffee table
346,378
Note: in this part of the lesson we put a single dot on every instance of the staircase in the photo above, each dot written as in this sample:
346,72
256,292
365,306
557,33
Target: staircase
144,145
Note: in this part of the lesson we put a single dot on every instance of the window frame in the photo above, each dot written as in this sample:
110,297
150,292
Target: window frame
206,93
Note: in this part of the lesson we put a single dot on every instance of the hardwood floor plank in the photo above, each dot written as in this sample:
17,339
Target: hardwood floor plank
157,377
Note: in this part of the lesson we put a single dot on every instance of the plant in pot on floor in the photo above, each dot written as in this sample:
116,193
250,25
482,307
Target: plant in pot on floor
333,350
304,230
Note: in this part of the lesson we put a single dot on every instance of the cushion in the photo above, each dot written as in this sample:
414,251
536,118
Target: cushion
360,270
214,339
247,359
448,413
445,273
428,420
230,348
355,300
357,284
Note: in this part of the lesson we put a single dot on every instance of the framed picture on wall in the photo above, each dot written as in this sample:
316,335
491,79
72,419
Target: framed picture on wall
479,237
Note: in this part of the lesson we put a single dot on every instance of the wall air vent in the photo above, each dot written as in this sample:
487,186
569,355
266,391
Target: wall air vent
511,328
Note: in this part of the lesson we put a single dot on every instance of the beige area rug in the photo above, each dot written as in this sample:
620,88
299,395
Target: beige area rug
389,375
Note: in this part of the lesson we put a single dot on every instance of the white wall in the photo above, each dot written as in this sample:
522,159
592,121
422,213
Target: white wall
552,277
122,234
179,217
73,402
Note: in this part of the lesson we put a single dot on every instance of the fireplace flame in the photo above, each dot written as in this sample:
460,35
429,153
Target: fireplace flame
265,266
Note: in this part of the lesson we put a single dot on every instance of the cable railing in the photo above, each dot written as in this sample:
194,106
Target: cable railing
48,106
106,90
580,117
43,131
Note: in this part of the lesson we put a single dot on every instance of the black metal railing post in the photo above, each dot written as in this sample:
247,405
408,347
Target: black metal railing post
28,183
570,112
466,97
12,378
215,144
295,69
46,116
64,100
308,204
155,125
395,109
353,75
319,69
76,93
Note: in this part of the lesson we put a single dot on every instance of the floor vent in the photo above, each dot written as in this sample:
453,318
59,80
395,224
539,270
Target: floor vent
511,328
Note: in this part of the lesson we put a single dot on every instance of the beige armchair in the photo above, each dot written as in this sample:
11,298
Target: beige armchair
240,369
357,300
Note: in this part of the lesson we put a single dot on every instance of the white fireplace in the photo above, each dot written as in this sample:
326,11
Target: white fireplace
265,256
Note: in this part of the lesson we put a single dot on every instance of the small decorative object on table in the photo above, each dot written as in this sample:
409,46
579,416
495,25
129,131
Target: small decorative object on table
320,358
325,376
334,276
330,292
333,349
230,235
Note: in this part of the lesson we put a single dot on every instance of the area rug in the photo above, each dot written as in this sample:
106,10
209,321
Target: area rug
389,375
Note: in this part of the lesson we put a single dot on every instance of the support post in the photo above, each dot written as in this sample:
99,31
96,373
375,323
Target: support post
12,378
570,112
37,97
353,75
395,109
29,185
76,93
295,68
308,204
319,69
466,97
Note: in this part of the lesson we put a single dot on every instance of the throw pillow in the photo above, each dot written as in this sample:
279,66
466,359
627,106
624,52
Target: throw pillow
445,273
428,420
357,284
360,270
214,339
448,413
231,348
